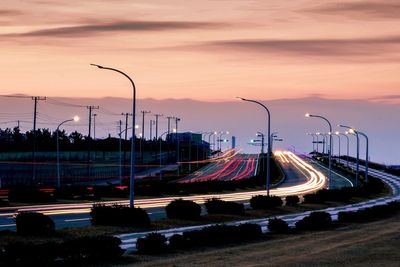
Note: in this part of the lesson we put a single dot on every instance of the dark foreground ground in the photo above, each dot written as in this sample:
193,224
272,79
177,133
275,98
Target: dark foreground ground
370,244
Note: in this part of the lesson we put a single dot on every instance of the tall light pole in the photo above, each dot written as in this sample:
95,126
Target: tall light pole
348,146
308,115
76,118
352,131
338,136
357,132
366,155
132,173
269,140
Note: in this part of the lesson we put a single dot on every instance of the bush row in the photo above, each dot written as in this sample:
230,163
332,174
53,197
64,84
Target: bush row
369,214
209,236
119,215
344,194
265,202
71,250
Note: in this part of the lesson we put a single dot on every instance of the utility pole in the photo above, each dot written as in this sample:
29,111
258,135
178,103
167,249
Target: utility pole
94,126
120,156
157,115
144,112
151,129
177,142
35,99
169,123
91,108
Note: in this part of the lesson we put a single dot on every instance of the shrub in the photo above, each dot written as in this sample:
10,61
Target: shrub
315,221
313,198
292,200
265,202
222,234
118,215
217,206
48,253
27,253
178,242
276,225
248,231
32,223
369,214
153,243
183,209
91,248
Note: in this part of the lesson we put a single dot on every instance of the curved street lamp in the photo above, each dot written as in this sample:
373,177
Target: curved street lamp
348,146
308,115
338,136
352,131
269,139
133,155
76,119
357,132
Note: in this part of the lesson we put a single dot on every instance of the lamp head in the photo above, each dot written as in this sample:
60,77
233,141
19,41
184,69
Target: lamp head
308,115
337,133
227,132
76,118
346,132
241,98
174,130
137,126
351,131
99,66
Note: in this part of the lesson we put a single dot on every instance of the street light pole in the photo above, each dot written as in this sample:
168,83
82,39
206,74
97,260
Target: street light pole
330,144
132,173
352,131
76,118
366,156
348,145
269,140
338,136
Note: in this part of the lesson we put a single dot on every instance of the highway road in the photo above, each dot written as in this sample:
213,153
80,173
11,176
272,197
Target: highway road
302,178
240,166
129,240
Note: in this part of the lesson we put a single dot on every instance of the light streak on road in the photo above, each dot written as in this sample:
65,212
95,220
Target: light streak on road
315,181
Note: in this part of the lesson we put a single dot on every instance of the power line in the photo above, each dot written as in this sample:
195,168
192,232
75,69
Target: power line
62,103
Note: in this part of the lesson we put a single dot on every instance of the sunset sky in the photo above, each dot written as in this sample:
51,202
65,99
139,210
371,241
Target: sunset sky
204,50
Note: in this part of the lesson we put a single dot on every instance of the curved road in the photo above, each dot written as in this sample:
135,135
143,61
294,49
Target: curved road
304,179
129,240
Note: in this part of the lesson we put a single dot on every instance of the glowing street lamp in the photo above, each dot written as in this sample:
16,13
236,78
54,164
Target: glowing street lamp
269,139
348,146
357,132
133,155
75,119
308,115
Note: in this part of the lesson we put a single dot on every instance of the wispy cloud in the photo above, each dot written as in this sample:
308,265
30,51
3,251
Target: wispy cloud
10,12
360,9
328,48
116,26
